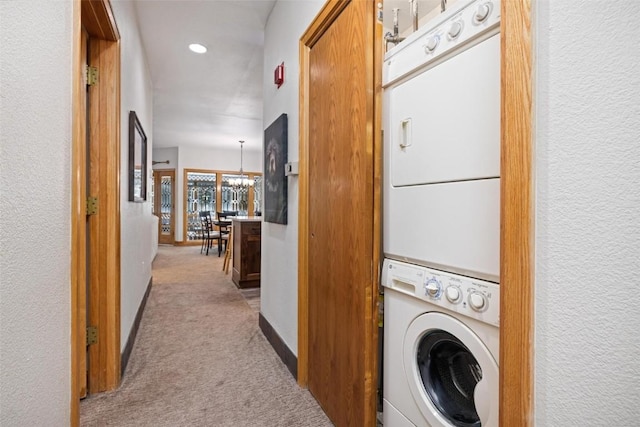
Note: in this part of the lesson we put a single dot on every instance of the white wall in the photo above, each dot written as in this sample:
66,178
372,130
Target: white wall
35,211
139,227
164,154
186,157
279,268
587,144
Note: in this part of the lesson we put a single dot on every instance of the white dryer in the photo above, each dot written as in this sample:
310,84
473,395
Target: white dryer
441,343
441,124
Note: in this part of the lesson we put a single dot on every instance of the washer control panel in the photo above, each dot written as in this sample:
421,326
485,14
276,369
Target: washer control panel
471,297
463,23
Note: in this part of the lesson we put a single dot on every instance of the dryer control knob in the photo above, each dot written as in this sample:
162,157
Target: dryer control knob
482,12
477,301
453,294
432,44
455,30
432,288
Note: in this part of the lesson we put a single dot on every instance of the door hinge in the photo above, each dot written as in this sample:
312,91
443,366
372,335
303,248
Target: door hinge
92,75
92,335
92,205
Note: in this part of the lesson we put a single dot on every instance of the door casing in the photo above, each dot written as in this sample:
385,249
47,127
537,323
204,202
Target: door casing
103,176
517,215
157,178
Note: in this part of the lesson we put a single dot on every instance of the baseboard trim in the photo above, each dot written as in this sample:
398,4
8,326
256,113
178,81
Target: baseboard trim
286,355
124,358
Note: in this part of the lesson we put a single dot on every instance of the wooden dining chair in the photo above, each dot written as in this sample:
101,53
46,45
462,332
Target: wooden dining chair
224,226
209,235
228,253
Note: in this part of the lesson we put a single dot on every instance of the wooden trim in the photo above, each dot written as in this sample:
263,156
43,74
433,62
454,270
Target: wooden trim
282,350
157,185
185,241
98,19
378,141
218,190
303,218
517,218
124,357
78,227
218,171
322,21
251,195
104,227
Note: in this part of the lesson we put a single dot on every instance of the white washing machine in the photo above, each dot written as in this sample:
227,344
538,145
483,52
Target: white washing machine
441,343
441,119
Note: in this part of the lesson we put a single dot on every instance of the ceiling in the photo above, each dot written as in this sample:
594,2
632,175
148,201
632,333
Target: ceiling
212,99
215,99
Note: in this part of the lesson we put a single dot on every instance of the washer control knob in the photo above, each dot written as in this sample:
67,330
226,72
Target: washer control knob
432,288
482,12
432,44
453,294
455,30
477,301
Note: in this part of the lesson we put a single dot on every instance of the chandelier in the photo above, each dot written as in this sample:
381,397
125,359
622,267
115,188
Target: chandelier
241,181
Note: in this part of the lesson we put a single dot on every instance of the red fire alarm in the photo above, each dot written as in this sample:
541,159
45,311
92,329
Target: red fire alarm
278,75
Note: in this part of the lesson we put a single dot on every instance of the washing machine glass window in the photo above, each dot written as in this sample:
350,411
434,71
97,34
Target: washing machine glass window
452,375
449,375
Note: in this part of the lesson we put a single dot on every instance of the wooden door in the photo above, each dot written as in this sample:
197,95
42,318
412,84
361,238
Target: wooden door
164,188
341,180
95,253
81,234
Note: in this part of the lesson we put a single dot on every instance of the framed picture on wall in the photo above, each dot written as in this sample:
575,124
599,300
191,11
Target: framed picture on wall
137,160
275,181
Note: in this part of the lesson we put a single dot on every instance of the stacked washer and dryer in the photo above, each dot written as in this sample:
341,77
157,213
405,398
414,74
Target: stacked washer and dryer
441,222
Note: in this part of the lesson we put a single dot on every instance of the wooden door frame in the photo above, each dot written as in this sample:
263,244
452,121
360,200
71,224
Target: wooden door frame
323,20
96,16
517,217
156,200
516,210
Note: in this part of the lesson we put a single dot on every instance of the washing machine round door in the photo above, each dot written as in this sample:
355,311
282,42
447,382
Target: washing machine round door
451,373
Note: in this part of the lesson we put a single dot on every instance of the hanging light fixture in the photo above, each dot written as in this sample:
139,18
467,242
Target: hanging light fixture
242,181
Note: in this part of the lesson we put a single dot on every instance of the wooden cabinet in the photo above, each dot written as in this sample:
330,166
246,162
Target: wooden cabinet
246,252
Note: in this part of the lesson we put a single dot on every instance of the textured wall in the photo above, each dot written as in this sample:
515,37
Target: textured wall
35,202
279,270
587,136
138,226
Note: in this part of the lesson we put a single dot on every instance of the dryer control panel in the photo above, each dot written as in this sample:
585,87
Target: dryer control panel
463,23
468,296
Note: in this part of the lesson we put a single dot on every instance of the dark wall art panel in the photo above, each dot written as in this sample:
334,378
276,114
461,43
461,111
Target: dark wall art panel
275,181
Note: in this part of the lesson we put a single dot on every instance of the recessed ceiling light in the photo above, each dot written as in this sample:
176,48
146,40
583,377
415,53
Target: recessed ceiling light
197,48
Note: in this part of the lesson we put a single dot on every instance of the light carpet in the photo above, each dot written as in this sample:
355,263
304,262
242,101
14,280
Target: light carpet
200,358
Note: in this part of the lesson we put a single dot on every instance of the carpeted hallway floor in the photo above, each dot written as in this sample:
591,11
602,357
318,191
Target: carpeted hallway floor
200,358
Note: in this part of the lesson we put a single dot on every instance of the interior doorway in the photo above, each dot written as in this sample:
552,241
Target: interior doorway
338,258
164,201
95,195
